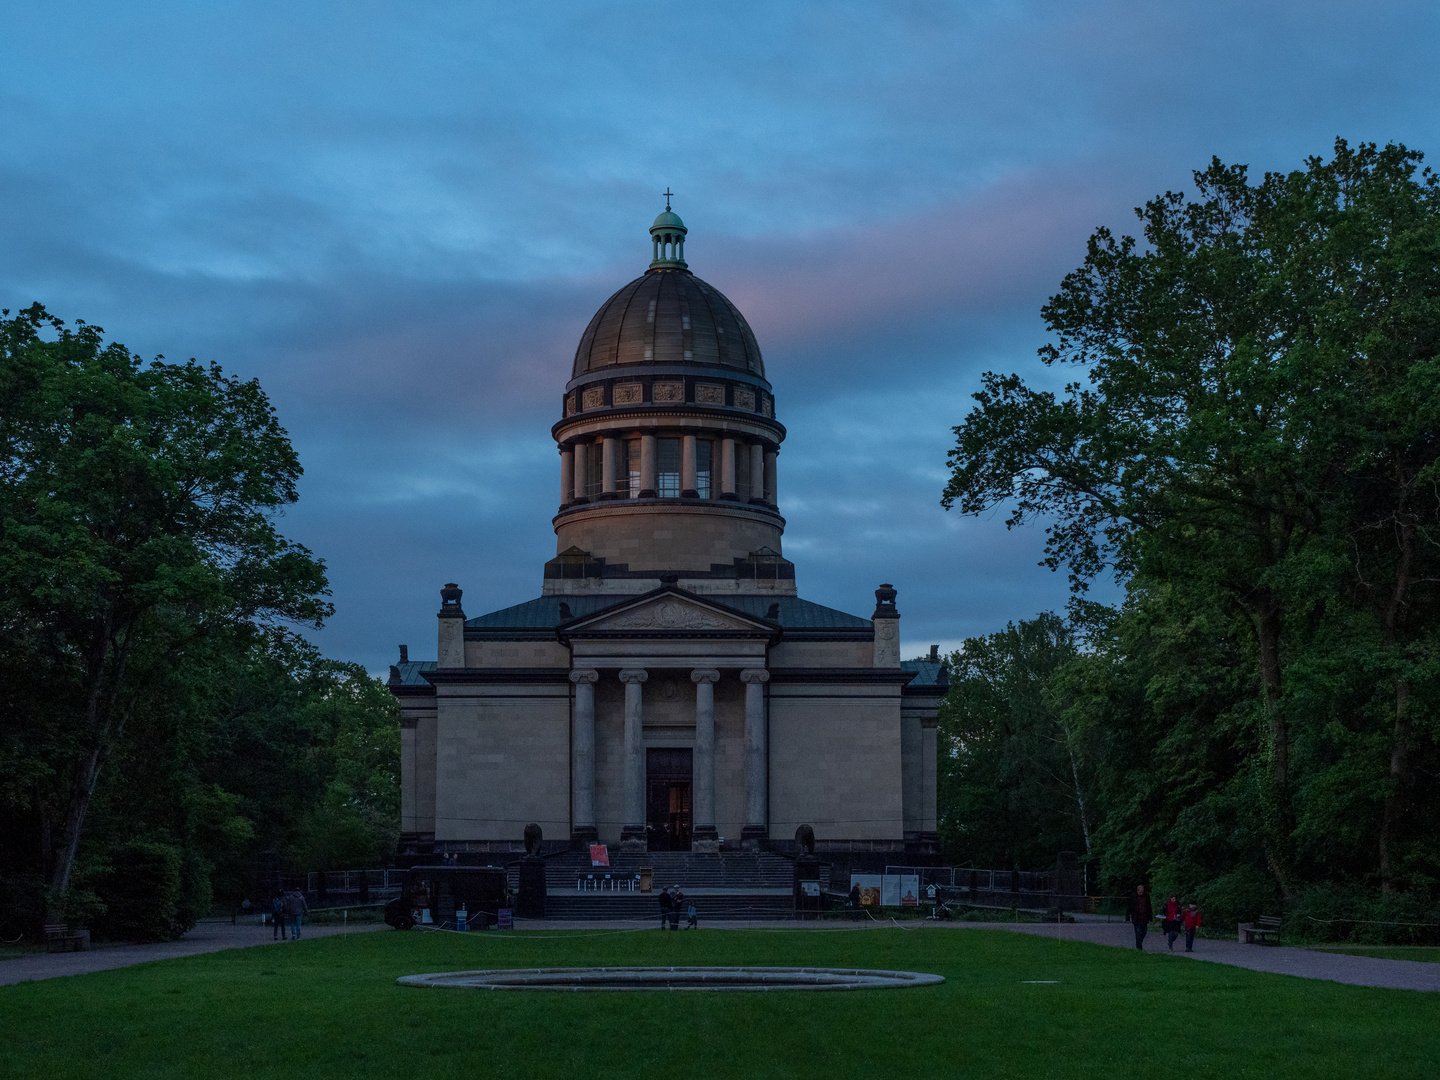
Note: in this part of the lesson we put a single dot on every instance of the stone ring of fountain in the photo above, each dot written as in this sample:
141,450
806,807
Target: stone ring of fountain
673,978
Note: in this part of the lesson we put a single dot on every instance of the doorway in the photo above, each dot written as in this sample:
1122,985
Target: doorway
668,775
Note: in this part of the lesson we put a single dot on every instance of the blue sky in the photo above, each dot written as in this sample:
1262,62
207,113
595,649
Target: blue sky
399,217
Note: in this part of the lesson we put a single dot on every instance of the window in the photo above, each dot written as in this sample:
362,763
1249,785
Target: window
704,468
667,468
632,457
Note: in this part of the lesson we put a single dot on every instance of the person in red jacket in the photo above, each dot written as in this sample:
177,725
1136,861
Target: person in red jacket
1192,923
1170,920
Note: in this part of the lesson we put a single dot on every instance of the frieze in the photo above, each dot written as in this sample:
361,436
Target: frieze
627,393
709,394
570,403
668,615
594,398
745,399
667,392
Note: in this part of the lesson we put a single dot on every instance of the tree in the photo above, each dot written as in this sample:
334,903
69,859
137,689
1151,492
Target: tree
1260,380
137,506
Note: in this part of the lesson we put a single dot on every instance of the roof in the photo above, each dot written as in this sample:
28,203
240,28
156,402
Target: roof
928,673
543,613
668,317
408,673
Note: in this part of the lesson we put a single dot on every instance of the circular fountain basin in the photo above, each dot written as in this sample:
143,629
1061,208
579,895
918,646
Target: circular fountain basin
673,978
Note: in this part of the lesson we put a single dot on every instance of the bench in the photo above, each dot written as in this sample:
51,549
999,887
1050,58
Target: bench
1263,931
58,938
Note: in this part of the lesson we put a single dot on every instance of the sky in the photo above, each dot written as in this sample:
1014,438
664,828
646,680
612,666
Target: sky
399,217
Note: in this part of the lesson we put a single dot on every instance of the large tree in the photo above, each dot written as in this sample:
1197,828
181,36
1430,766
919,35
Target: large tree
1256,420
137,520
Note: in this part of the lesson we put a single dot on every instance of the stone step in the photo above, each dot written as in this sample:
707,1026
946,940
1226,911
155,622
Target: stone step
640,907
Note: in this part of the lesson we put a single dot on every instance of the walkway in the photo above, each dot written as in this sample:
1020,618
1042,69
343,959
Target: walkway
1277,959
207,937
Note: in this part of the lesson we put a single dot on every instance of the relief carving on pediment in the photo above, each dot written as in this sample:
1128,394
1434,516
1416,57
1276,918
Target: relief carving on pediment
668,615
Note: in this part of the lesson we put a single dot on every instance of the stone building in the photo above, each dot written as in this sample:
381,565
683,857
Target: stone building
669,689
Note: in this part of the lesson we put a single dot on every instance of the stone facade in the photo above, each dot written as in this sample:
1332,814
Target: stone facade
668,687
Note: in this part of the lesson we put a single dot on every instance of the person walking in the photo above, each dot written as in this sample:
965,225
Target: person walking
1192,923
277,917
1170,920
692,917
667,906
1139,911
295,908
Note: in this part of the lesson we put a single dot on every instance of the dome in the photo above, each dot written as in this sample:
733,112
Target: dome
668,317
668,219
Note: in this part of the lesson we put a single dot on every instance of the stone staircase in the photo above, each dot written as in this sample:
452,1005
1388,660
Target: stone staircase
730,885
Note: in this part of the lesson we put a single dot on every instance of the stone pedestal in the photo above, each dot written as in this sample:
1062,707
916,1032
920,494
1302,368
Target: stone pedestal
632,838
530,900
705,840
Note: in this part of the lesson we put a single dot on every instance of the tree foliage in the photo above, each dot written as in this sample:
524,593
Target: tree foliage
150,684
1253,449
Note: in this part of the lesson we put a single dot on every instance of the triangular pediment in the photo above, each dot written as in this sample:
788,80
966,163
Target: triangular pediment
667,612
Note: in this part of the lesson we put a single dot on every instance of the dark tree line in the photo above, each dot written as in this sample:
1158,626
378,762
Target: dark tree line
1251,447
161,725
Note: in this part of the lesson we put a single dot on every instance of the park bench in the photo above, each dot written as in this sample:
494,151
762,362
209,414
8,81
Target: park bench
58,938
1263,931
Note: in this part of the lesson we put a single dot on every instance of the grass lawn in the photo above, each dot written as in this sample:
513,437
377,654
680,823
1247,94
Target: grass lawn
1426,953
330,1008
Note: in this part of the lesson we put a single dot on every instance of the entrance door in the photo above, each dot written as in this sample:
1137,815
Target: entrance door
668,773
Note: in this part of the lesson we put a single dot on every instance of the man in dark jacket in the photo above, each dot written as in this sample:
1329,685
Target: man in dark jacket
1139,912
667,905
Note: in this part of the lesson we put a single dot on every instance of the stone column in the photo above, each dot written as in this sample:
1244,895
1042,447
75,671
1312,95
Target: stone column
727,468
770,496
757,472
582,470
647,466
611,451
703,835
567,477
632,835
688,479
582,757
757,765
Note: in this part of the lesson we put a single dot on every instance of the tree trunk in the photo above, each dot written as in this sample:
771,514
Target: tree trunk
1392,617
1264,611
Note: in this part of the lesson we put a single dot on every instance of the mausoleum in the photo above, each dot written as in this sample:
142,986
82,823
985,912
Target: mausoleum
668,689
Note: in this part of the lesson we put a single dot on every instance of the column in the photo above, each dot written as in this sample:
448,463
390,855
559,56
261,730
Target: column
688,480
703,835
582,757
770,496
567,477
757,472
727,468
757,765
632,835
609,463
647,466
582,469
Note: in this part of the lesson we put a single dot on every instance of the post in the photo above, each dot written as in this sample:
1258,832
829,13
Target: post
704,836
632,834
610,451
647,466
451,651
688,479
582,757
567,477
582,470
727,468
886,622
756,829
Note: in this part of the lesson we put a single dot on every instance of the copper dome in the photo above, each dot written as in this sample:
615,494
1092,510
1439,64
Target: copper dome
668,317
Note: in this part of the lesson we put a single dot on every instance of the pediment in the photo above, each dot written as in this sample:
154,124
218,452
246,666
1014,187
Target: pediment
668,612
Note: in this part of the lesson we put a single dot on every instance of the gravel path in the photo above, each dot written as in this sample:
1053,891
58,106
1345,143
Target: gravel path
208,936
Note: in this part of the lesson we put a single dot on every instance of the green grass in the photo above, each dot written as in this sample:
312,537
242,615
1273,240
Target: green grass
1426,953
329,1007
